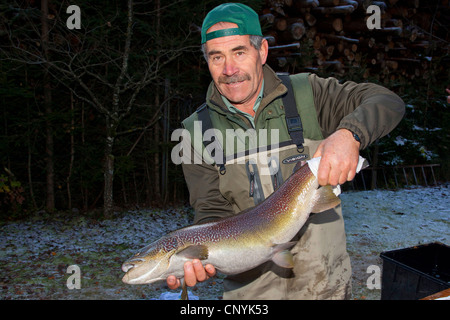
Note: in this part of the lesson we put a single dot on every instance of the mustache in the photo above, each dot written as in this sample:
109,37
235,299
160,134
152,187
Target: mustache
234,78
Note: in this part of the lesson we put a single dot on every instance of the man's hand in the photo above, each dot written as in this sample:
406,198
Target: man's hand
193,272
340,155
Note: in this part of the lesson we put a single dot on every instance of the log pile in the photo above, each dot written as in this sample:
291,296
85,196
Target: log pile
312,35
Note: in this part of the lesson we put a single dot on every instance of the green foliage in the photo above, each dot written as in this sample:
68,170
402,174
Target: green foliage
11,195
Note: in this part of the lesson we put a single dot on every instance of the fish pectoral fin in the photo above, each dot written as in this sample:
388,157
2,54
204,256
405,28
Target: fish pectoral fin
282,256
194,252
326,199
284,259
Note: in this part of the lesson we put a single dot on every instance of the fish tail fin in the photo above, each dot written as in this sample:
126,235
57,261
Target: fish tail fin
326,199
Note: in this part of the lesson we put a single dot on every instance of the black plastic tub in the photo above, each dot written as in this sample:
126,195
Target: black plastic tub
415,273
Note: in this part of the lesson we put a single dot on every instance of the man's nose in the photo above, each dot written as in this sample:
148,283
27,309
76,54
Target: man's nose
229,67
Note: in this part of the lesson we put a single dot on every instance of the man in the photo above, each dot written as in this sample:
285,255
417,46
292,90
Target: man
246,94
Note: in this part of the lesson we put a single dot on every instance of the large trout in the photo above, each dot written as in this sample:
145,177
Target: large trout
241,242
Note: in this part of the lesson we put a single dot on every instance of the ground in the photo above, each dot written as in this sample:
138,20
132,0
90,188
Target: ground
36,252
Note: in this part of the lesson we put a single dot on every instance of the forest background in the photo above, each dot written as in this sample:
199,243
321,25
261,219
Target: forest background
87,114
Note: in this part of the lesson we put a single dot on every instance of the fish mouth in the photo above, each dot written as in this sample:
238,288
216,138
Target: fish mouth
130,276
128,265
128,280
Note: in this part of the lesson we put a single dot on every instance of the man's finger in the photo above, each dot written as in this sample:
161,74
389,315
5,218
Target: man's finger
334,176
352,172
189,274
323,172
173,282
199,270
343,177
210,270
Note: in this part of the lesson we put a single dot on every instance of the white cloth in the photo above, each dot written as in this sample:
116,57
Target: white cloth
314,167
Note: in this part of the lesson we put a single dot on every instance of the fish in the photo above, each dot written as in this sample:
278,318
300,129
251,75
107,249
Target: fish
241,242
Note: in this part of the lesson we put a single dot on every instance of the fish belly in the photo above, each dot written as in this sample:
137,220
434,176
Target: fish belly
236,261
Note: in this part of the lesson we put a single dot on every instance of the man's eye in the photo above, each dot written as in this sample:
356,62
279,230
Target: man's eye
240,55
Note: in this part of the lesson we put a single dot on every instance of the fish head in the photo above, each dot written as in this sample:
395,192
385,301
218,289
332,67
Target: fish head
149,265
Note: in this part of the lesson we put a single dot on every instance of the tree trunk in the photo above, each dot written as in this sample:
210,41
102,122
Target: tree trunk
30,144
108,170
50,176
72,152
165,161
157,163
113,120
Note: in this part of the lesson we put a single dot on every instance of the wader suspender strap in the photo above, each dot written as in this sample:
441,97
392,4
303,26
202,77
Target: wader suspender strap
205,119
293,121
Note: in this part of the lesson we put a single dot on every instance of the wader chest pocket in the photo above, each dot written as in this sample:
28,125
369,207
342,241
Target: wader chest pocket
255,190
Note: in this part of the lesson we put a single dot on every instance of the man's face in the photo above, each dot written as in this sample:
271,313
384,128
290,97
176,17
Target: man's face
236,66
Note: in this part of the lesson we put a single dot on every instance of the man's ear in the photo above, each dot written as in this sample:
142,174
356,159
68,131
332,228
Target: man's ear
264,51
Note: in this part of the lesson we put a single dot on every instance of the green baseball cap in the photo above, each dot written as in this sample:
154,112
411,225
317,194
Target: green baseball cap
244,16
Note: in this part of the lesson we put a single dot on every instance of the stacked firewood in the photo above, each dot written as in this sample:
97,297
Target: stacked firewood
310,35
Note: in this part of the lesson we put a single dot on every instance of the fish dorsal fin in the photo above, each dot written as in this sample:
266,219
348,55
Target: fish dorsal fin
326,199
194,252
